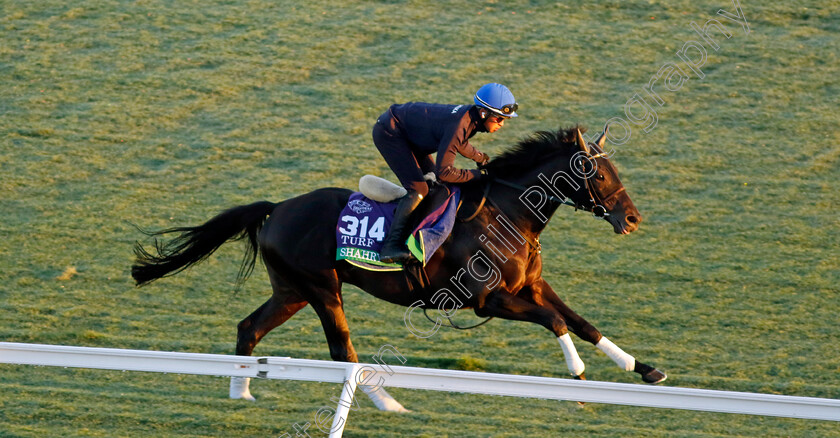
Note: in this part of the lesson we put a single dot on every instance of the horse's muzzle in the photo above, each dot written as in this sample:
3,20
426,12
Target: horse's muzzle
625,218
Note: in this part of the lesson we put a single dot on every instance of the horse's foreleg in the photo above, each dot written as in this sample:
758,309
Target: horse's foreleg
542,292
504,305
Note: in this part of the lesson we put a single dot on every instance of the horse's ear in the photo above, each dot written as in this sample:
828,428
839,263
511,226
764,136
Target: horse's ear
581,142
603,138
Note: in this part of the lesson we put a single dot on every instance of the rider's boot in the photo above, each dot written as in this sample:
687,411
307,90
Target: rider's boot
394,249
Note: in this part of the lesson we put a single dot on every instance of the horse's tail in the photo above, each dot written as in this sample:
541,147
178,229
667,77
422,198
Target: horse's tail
195,244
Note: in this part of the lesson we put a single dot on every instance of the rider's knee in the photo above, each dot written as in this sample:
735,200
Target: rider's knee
421,187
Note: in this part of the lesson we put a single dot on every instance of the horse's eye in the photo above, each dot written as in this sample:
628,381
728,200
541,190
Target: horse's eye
600,176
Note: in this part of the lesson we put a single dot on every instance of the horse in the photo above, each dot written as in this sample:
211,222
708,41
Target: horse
491,262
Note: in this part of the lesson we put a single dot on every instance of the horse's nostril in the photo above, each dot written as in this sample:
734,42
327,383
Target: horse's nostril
632,219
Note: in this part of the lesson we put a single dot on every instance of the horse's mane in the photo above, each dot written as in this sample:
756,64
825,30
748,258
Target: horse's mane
531,151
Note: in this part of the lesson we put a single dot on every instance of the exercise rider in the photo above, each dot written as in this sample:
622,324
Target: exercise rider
407,134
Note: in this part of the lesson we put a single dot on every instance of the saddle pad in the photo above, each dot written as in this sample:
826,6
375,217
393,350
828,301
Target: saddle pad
361,230
364,223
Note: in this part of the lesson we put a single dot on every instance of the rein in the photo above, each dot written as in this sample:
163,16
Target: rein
550,198
486,196
455,326
480,204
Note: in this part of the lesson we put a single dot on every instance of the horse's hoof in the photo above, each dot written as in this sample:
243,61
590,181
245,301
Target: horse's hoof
581,376
382,400
654,376
239,388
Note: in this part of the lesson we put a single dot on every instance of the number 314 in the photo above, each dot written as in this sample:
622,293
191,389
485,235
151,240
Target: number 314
354,225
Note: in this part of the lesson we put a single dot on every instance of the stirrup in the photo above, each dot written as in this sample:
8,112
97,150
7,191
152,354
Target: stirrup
400,256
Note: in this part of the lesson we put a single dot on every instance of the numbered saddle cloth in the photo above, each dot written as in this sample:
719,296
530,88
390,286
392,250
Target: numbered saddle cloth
364,223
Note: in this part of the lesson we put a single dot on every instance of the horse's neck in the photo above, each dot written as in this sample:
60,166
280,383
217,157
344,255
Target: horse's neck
529,220
532,208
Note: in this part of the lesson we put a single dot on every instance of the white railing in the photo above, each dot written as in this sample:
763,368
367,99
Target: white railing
421,378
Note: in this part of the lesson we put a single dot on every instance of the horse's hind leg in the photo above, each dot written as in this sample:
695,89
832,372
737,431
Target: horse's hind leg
271,314
330,309
282,305
334,322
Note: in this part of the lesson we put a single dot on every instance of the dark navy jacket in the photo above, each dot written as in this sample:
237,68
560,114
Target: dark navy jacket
443,129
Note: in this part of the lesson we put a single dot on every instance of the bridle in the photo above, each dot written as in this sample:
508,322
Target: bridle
596,203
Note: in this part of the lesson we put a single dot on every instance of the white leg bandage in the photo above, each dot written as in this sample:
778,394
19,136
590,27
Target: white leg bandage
618,355
573,361
239,388
383,400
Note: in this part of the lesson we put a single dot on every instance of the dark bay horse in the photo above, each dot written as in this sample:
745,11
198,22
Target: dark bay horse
491,262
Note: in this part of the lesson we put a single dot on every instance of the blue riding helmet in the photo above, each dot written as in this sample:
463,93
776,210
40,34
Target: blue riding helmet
498,99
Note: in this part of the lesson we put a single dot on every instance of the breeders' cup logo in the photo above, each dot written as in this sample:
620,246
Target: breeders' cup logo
359,206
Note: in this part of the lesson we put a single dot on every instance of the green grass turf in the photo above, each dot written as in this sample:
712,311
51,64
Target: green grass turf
164,113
